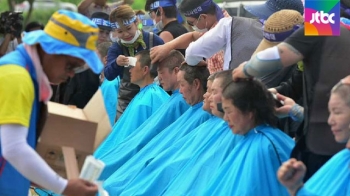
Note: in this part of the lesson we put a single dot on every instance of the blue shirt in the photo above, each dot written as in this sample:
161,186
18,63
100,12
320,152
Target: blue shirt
112,70
191,119
142,106
169,112
251,167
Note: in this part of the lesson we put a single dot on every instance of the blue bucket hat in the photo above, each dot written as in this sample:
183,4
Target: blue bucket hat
69,33
264,11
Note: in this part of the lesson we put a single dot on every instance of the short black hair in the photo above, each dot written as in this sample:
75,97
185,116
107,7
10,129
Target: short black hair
145,60
169,12
250,95
32,25
196,72
189,5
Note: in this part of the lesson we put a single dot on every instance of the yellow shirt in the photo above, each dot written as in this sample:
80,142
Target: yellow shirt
16,95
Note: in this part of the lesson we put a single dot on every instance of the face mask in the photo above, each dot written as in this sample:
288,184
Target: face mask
158,25
137,34
200,30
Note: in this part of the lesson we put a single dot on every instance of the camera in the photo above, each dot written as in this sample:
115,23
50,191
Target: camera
11,22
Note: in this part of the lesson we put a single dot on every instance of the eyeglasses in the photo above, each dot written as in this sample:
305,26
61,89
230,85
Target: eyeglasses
192,23
155,11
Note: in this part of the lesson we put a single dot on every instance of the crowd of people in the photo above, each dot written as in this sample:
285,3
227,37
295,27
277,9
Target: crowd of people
214,104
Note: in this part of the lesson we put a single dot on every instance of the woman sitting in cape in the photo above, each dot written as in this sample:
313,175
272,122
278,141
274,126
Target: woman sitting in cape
251,167
333,178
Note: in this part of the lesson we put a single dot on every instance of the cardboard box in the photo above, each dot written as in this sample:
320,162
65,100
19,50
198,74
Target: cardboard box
70,134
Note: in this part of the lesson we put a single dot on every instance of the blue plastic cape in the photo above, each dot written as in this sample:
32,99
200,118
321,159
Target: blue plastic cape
208,138
332,179
251,167
141,107
191,119
110,97
168,113
193,178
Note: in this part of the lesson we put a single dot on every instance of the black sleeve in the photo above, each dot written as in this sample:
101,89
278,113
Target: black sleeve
304,44
292,88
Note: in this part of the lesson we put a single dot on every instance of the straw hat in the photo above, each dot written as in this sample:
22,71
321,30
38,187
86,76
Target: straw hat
279,26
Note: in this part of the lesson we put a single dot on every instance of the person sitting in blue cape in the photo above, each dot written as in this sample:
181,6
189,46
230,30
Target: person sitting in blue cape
142,106
192,83
204,164
108,88
195,156
333,178
169,112
250,169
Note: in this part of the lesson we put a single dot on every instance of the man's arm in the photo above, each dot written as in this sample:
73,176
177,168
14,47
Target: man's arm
16,151
5,43
268,61
183,41
288,54
166,36
84,5
158,53
210,43
118,3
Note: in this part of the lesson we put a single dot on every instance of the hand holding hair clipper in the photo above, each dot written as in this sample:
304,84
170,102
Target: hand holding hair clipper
286,107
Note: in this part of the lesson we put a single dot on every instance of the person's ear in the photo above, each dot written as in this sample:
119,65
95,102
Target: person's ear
204,17
146,70
196,84
176,70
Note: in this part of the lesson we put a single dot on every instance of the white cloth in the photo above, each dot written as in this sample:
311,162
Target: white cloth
216,39
21,156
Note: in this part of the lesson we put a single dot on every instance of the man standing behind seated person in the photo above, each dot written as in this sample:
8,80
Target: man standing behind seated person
165,16
201,15
168,113
141,107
